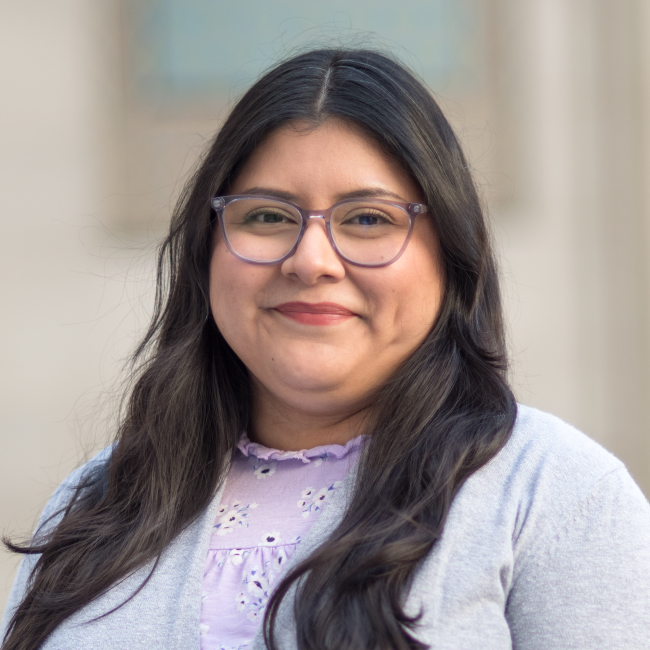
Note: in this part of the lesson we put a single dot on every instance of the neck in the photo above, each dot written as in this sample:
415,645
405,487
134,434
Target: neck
280,425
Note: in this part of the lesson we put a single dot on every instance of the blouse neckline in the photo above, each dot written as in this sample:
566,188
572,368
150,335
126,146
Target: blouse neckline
261,452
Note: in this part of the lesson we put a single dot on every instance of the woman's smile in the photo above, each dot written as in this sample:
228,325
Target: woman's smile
322,313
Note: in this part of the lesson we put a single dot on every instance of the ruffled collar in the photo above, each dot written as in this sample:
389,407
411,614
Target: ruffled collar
249,448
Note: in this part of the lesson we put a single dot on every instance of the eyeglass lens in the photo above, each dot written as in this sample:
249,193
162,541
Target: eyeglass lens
365,232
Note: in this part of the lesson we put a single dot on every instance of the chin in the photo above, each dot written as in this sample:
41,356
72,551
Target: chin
312,369
313,379
319,398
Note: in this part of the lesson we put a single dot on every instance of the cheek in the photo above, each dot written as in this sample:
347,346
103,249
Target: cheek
230,291
409,294
219,284
415,307
427,281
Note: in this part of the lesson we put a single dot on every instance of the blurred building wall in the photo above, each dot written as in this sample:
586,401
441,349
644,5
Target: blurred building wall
551,98
571,86
65,292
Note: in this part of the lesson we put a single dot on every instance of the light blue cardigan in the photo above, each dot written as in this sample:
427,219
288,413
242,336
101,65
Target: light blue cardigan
547,547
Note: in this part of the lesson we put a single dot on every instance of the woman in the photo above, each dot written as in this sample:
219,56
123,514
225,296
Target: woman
321,449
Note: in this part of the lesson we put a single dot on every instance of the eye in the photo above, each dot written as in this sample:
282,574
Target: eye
368,218
269,216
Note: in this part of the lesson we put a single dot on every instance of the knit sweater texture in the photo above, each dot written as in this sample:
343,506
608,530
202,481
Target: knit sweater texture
545,547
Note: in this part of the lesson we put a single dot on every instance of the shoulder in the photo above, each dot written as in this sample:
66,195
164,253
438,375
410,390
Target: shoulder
551,477
544,451
551,531
546,473
51,515
67,489
580,540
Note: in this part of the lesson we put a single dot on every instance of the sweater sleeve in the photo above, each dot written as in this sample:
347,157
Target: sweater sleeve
587,585
50,517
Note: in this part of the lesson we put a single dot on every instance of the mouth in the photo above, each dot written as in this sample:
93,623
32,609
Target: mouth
320,313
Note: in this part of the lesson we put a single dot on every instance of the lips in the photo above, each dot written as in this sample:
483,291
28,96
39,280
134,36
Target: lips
320,313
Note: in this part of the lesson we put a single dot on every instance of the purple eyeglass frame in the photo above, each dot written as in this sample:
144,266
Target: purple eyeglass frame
219,204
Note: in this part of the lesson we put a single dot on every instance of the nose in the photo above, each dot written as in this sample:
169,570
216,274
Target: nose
314,259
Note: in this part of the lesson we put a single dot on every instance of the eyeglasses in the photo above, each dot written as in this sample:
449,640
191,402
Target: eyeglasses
267,230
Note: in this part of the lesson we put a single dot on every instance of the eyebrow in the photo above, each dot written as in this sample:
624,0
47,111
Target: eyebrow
362,193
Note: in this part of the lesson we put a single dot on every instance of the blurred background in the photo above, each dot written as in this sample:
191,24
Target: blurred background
106,104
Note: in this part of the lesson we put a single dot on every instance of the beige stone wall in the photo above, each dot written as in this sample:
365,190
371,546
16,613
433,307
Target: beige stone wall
571,103
66,288
560,137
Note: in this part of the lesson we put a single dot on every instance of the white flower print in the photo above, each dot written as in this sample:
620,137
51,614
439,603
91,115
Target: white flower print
223,530
322,495
233,517
258,585
264,470
203,629
242,601
225,527
270,538
305,495
276,565
236,556
313,501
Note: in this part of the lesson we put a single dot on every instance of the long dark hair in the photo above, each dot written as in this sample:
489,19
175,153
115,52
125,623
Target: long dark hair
445,413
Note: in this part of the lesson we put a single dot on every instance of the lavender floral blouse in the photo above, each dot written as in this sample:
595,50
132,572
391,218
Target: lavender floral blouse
270,501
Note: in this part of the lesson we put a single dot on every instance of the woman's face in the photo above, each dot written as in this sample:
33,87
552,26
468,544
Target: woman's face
325,365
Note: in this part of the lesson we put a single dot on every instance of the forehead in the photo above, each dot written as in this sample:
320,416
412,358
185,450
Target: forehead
334,158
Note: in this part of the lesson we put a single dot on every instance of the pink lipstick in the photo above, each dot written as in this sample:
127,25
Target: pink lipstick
321,313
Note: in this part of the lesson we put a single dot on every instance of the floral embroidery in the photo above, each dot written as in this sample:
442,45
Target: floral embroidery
319,461
258,584
237,555
277,563
258,588
313,501
270,539
305,495
242,601
263,470
236,516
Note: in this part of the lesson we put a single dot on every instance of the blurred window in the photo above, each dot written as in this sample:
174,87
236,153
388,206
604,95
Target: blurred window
185,52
